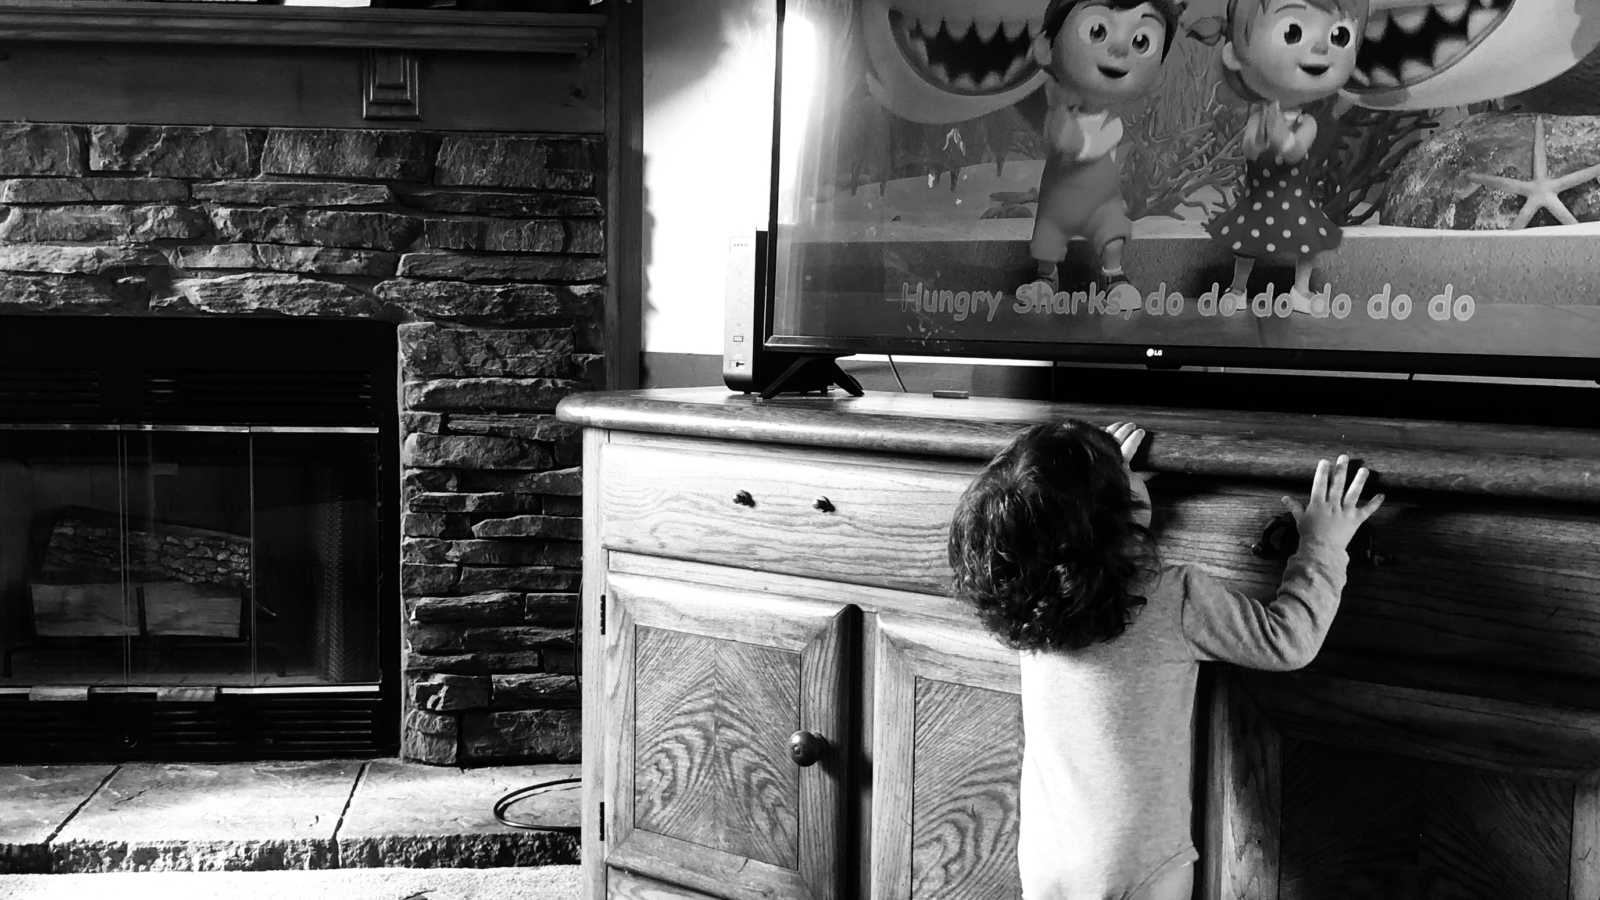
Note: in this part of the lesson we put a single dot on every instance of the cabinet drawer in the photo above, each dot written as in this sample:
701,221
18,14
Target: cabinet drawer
840,517
1486,588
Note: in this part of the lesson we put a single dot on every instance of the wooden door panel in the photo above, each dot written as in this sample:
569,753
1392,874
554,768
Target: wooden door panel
703,711
947,758
705,687
1321,789
964,804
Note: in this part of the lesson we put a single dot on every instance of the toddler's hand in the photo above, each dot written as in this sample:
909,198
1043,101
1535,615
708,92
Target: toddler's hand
1333,513
1128,436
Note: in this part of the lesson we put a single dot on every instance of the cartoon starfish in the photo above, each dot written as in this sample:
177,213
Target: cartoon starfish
1542,191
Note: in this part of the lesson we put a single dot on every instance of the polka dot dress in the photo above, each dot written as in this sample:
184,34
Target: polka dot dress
1276,219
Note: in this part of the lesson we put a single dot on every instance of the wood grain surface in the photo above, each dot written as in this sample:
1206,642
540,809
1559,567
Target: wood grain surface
1350,824
712,721
1459,458
628,886
1494,735
966,761
1240,857
888,525
1372,826
702,778
598,738
947,758
1584,881
1468,582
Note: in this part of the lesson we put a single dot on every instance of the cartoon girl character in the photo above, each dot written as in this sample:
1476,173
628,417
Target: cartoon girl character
1281,55
1098,54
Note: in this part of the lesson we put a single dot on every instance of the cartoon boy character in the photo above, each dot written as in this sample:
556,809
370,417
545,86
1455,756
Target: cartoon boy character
1282,55
1098,53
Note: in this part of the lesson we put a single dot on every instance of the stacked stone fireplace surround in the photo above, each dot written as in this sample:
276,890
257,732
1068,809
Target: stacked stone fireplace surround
486,251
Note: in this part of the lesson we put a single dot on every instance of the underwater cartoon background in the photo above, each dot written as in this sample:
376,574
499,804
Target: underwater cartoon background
1461,116
910,152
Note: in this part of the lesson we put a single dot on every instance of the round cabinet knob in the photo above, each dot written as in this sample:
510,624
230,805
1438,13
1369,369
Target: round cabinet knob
806,747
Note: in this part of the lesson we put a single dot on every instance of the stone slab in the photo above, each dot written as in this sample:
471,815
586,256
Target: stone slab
37,800
201,817
543,883
420,816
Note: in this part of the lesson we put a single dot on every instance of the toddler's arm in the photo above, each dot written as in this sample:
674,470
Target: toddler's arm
1287,632
1222,624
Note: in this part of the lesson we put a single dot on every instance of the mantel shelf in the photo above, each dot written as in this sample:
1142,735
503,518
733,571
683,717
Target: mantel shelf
112,21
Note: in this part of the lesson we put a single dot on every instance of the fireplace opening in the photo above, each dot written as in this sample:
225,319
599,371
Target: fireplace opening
198,539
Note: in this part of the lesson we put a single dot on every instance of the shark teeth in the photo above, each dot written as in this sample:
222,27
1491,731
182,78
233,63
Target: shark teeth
1411,43
1451,11
976,53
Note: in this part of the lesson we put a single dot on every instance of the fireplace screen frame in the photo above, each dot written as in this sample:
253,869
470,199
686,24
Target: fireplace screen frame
235,375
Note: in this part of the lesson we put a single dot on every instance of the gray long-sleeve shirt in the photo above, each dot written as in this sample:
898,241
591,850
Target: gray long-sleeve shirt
1109,729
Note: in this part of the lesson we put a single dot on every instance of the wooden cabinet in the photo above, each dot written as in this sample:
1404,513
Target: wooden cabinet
947,754
728,712
762,575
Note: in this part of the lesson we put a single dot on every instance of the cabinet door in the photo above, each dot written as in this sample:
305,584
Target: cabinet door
946,759
706,689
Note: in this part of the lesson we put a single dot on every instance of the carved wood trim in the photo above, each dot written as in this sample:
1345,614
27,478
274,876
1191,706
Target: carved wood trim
389,85
105,21
1509,461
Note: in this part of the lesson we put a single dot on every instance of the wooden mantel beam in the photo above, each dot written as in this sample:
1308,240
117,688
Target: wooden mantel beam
120,21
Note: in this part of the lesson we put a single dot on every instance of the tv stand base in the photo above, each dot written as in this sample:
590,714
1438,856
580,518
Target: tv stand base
812,373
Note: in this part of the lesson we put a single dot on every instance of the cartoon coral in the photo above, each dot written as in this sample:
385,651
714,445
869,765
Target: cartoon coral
1182,144
1354,153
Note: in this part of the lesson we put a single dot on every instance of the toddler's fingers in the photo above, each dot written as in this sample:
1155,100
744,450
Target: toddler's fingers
1336,481
1130,444
1319,483
1366,512
1293,506
1352,494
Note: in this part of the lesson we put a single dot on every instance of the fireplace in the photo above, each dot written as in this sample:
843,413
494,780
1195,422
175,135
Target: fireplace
198,540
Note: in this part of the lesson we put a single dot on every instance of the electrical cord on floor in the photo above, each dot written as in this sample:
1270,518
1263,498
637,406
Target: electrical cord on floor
505,803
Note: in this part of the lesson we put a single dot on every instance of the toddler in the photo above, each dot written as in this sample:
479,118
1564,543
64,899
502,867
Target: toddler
1050,544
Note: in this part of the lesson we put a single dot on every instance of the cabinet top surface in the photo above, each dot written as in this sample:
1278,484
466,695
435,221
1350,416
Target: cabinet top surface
1500,460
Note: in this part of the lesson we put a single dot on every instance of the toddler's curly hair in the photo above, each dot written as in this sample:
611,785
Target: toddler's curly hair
1043,541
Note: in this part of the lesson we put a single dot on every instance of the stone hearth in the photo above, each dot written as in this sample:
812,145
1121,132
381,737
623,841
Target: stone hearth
486,252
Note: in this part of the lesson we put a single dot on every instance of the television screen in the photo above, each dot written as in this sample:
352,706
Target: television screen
1359,184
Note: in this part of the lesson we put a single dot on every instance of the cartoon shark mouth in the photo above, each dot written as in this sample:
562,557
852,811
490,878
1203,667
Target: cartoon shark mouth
971,55
1408,45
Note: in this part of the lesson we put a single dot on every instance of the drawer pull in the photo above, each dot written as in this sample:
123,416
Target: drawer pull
824,504
743,498
1281,538
807,747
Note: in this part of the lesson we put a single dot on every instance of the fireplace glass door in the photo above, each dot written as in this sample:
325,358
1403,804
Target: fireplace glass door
188,557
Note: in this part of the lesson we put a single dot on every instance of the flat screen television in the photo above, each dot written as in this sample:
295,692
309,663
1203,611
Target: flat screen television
929,155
